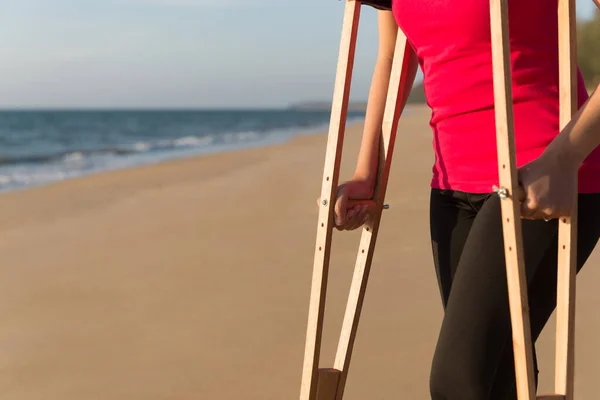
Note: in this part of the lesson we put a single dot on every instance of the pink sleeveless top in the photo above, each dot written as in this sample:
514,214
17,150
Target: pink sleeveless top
452,41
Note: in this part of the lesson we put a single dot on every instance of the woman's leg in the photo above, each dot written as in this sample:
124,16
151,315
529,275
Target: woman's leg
473,358
542,290
451,215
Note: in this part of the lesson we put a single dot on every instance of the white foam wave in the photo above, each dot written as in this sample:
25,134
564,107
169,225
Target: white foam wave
74,157
193,141
142,146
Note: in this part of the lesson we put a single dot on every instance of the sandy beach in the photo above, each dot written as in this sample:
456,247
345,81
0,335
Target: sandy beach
190,280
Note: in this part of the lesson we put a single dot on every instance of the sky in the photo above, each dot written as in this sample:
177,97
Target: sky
179,53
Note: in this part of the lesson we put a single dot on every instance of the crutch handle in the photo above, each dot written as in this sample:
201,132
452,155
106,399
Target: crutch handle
369,203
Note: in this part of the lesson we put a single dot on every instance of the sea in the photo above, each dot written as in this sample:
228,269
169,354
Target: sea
40,147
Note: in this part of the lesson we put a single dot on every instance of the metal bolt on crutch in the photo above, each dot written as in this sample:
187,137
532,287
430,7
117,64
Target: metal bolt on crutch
329,383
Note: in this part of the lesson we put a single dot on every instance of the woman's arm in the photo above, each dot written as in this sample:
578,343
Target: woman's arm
582,135
550,181
366,167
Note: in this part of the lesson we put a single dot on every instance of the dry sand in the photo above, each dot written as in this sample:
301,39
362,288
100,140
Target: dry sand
190,280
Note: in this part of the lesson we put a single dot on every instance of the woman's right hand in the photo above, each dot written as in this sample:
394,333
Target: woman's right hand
349,213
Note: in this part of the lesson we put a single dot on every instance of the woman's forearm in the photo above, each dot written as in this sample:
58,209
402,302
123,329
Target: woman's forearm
366,167
582,135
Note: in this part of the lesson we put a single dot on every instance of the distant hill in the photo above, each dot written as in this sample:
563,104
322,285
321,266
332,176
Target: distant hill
417,96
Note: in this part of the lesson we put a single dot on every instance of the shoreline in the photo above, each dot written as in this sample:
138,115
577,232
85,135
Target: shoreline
149,159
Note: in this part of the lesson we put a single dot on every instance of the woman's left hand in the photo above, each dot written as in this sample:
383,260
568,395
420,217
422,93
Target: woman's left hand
549,186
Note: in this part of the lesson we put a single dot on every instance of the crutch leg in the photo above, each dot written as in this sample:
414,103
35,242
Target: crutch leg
517,286
339,110
393,109
511,215
328,383
567,227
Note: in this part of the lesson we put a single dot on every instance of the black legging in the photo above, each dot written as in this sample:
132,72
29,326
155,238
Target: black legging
474,355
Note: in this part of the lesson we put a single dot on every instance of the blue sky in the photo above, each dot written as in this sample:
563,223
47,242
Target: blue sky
179,53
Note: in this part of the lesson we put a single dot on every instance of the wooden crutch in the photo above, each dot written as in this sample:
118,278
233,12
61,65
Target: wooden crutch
328,384
508,180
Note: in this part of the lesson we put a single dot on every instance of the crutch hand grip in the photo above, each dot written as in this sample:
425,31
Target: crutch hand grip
369,203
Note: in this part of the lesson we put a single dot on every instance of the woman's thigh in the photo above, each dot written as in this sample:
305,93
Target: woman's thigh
473,357
451,215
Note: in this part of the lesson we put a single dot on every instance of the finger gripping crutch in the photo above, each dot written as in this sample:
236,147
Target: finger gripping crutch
329,383
515,267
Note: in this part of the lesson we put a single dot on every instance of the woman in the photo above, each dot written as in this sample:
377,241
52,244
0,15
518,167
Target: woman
450,40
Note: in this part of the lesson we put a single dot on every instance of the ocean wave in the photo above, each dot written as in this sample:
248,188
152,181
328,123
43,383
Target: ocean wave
37,168
75,155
